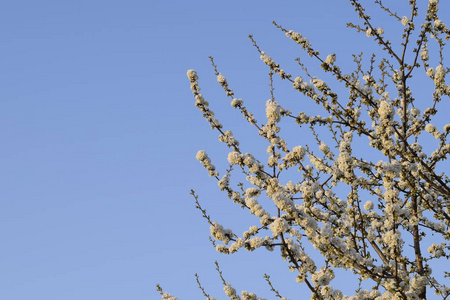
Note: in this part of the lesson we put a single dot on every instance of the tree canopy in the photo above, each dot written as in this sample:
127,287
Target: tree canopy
369,189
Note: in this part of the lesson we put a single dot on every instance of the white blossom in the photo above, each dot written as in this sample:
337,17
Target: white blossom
273,111
439,75
424,54
167,296
323,277
331,59
192,75
256,242
230,291
405,21
385,110
237,102
201,155
219,233
430,128
299,152
415,111
235,158
324,148
279,226
368,205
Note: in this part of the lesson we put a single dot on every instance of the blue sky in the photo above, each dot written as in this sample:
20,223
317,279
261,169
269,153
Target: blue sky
100,133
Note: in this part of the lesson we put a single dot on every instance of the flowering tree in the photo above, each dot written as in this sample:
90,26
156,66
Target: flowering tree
368,208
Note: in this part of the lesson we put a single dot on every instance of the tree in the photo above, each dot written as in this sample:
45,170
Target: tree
369,189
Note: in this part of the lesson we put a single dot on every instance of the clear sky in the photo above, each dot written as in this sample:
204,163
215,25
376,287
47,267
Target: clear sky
99,135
